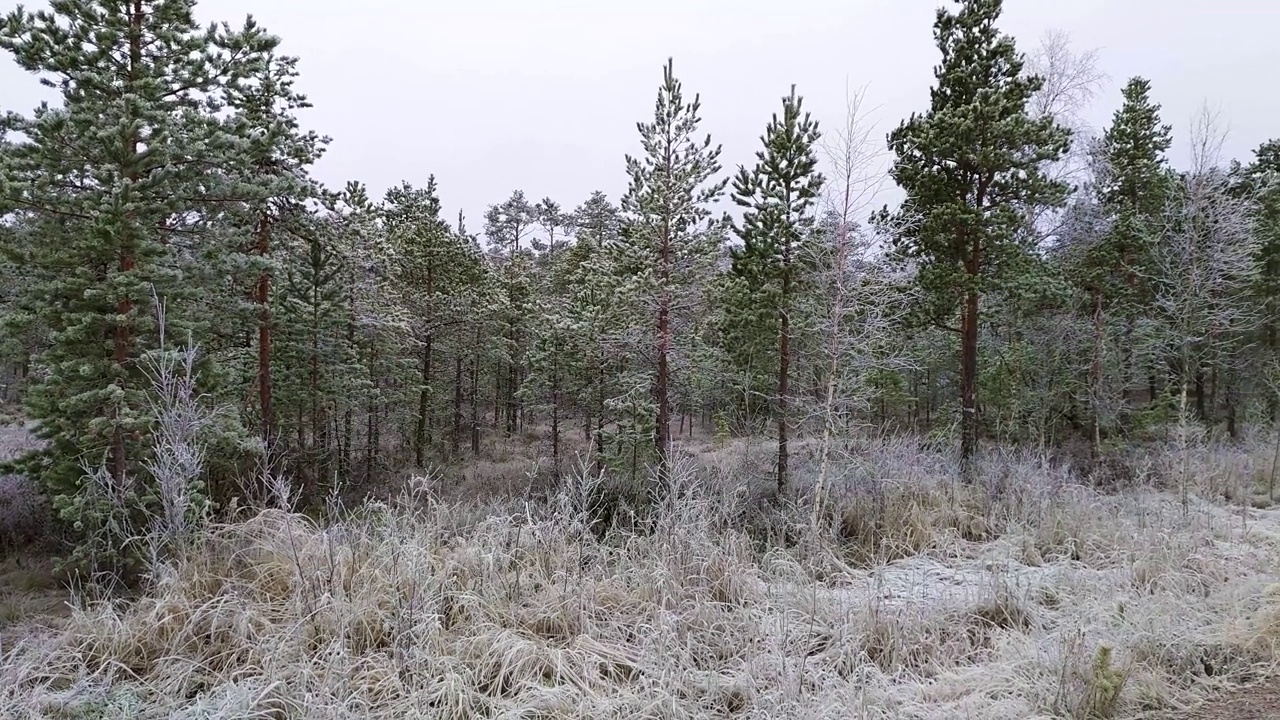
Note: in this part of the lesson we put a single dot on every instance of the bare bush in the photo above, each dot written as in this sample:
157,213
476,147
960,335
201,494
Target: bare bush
26,520
859,301
180,418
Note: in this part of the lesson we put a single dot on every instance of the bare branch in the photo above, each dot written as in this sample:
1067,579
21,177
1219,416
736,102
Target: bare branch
1071,80
1209,133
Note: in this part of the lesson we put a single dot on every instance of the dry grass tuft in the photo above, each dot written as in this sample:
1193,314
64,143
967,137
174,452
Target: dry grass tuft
1027,597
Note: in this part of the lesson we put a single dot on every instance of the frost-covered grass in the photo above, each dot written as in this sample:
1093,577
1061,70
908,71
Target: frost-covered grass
914,598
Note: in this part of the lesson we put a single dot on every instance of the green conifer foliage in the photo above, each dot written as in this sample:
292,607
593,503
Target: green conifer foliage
671,240
508,227
120,180
779,196
970,166
429,258
1132,189
1261,181
276,157
315,354
594,316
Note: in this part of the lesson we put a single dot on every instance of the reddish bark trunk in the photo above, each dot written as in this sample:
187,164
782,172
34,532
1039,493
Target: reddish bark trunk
262,296
969,385
122,338
1095,380
457,404
662,393
784,376
422,431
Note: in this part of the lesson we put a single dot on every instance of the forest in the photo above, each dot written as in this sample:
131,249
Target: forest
744,442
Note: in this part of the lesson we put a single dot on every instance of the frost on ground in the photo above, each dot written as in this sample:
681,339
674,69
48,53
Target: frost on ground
912,598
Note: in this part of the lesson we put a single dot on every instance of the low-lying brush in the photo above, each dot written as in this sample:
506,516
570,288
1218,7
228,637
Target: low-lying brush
1026,596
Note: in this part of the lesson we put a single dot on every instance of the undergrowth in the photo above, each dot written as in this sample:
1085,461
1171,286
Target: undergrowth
1030,595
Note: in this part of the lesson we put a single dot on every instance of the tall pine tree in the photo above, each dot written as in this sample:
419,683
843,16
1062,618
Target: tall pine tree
507,226
1133,191
429,257
779,196
670,237
120,179
593,315
276,155
970,167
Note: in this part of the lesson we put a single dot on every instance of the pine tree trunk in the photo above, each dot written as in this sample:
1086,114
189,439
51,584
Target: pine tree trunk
122,341
598,439
1201,414
498,403
913,410
662,385
475,398
1229,391
928,399
262,297
457,404
969,388
420,439
1095,380
373,439
348,443
555,416
347,458
1273,399
513,409
784,376
1127,369
1212,407
662,397
370,445
317,422
599,443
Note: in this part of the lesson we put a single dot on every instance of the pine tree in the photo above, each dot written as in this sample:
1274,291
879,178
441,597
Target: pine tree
548,356
429,256
970,167
593,314
779,195
1133,190
277,156
1261,183
554,223
314,354
377,319
671,238
507,227
119,180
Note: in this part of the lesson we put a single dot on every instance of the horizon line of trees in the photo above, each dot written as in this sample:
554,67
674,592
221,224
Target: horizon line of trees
1037,285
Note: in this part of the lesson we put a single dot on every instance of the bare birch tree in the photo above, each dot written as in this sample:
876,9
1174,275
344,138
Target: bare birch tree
1072,81
860,301
1207,260
1204,269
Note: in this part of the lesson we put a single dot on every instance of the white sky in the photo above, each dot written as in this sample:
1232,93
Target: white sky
543,95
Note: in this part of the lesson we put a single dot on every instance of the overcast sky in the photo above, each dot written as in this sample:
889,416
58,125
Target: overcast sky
543,95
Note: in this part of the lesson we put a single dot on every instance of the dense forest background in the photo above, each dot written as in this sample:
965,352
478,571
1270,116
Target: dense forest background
190,317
